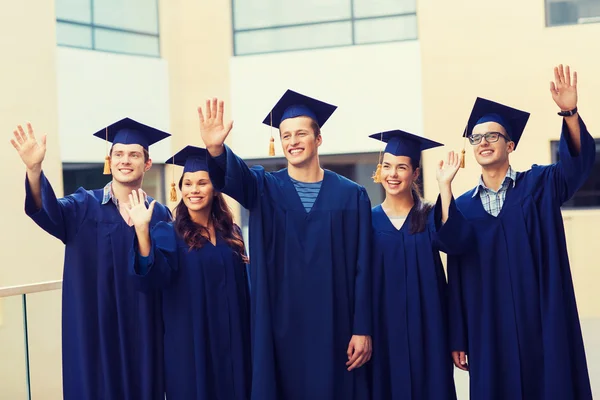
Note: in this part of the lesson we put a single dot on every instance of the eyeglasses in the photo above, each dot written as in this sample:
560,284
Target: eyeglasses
490,137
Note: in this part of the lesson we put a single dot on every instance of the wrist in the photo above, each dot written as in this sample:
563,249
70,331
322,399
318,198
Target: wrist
568,113
34,169
216,150
142,228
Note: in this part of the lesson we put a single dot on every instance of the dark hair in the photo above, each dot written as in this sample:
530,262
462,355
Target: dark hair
421,209
315,127
196,235
146,153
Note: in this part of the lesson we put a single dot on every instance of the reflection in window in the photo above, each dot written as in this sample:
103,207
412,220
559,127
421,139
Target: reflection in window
572,12
120,26
264,26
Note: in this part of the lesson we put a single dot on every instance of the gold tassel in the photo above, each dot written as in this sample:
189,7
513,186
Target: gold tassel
106,165
272,147
272,140
107,158
173,194
377,175
462,152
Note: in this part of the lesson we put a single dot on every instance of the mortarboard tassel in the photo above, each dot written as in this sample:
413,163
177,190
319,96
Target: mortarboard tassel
173,192
377,175
107,158
462,152
272,147
106,165
272,140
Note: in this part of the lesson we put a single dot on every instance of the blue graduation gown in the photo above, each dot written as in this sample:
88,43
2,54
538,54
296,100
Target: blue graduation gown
206,309
310,281
111,333
513,307
411,354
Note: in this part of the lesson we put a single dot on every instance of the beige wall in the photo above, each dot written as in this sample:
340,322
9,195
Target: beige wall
503,51
489,49
28,82
196,41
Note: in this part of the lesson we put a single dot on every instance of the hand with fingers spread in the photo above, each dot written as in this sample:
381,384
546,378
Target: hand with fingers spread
31,152
139,214
447,171
359,351
564,88
212,129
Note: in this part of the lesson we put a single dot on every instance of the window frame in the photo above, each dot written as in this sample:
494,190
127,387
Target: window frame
353,20
93,26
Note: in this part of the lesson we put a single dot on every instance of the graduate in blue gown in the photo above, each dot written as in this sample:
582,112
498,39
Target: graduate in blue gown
310,236
513,311
111,333
411,353
198,261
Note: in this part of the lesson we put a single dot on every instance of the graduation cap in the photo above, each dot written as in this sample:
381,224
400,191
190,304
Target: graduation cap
192,159
129,131
401,143
293,104
511,119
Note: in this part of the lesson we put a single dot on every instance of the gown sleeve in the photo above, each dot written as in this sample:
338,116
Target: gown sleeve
363,289
573,169
157,269
455,236
230,175
59,217
456,307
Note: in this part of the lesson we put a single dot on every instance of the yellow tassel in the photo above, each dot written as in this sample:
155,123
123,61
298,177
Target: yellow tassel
272,147
173,194
106,165
462,158
377,175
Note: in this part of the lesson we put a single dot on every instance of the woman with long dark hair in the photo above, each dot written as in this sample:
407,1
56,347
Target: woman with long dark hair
411,357
199,263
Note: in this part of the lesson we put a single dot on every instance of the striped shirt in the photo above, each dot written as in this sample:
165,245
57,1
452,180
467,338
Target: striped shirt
493,201
308,192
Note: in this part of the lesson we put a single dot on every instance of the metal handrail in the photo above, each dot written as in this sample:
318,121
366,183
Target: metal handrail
32,288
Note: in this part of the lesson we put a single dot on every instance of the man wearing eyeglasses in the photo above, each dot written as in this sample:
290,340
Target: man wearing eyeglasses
512,304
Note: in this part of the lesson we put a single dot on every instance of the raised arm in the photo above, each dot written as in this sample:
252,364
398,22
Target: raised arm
228,173
59,217
453,232
577,148
153,257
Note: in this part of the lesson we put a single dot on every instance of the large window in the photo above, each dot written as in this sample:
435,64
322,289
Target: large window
569,12
265,26
118,26
89,176
589,194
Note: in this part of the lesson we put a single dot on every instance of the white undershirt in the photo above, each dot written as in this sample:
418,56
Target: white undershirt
397,221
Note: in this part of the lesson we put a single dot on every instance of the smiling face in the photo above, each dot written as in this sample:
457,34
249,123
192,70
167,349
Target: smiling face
492,154
299,141
197,191
128,163
397,174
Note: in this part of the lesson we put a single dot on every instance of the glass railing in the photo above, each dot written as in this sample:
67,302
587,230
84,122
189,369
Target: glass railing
30,345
